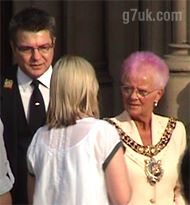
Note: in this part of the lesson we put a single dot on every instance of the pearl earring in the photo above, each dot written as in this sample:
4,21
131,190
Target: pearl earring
155,103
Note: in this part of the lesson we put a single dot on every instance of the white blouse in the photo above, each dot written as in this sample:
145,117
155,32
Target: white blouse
6,176
68,163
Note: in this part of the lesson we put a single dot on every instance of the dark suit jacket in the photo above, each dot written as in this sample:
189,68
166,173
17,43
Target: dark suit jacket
17,134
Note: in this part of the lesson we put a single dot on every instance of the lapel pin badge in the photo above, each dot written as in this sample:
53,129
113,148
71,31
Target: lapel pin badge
8,83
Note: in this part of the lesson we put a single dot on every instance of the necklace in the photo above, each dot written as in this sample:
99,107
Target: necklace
152,168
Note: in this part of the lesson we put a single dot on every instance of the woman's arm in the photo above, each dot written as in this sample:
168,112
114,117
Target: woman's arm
30,187
117,179
5,199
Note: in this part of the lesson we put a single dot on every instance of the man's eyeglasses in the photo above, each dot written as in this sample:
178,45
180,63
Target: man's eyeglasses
44,49
139,92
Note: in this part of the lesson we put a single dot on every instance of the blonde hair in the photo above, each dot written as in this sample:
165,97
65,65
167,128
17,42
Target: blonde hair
73,92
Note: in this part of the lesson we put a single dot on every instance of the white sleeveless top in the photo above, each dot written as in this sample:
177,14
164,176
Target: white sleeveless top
68,163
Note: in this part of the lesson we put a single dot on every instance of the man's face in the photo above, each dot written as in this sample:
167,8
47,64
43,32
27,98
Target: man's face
33,51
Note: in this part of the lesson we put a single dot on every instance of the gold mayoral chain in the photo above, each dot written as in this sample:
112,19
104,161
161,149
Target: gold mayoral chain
153,169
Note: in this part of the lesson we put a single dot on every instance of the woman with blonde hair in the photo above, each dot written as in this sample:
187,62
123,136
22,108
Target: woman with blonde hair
76,159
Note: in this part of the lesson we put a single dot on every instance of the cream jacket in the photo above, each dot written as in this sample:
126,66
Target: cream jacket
163,192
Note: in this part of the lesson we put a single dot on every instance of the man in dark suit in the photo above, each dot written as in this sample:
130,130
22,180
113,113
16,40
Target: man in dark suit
32,39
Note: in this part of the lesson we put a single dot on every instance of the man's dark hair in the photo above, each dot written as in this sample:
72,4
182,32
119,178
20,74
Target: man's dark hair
31,19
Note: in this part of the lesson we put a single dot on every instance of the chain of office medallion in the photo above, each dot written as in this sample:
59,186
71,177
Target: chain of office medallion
149,150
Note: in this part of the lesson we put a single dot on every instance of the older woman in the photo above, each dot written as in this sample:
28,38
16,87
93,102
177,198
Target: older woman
154,143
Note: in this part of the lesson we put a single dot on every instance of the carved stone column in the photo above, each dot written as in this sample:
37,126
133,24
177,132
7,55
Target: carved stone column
176,101
85,36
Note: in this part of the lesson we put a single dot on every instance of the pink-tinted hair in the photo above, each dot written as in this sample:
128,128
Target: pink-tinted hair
141,58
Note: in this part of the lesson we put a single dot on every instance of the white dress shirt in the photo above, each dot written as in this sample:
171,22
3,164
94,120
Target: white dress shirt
25,88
